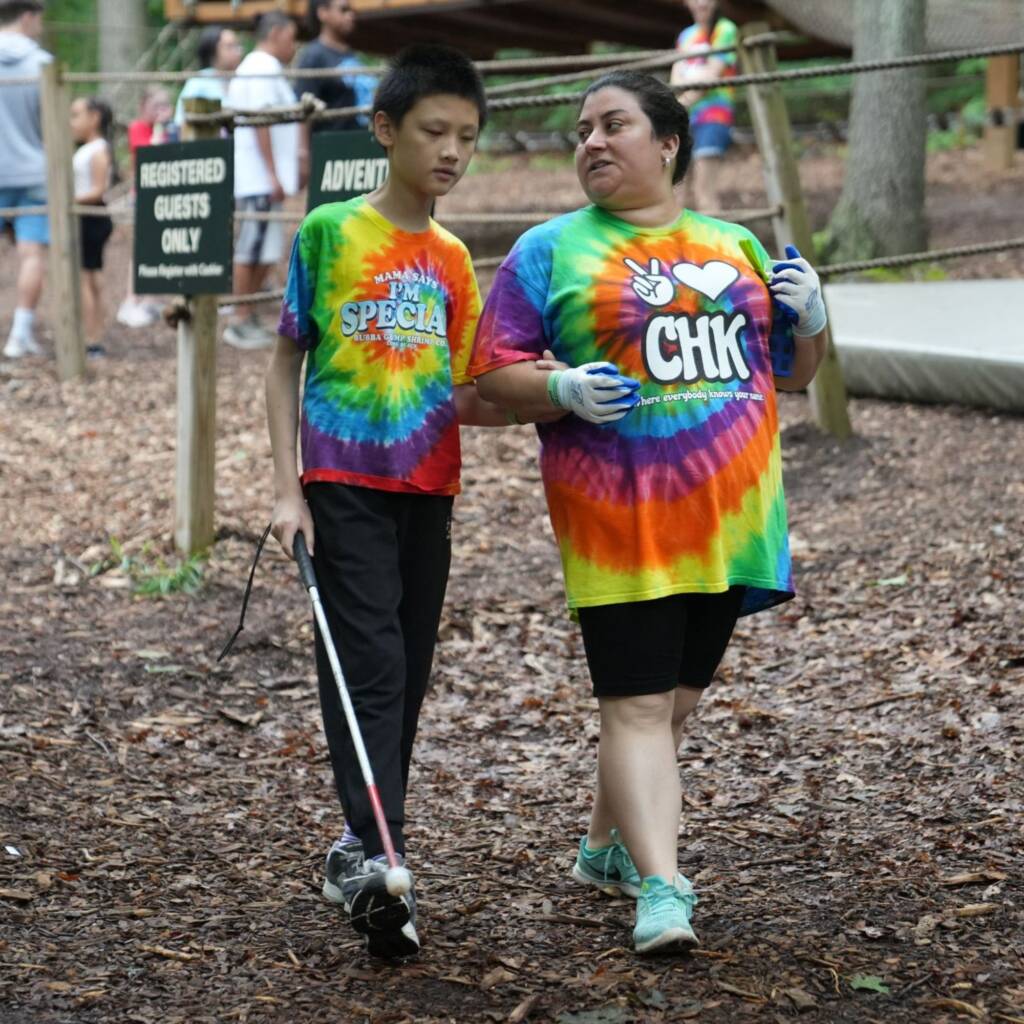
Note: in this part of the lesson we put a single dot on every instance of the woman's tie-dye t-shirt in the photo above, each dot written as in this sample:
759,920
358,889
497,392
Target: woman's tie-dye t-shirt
388,318
684,494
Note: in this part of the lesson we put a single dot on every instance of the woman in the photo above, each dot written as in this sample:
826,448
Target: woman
219,52
664,486
92,121
711,110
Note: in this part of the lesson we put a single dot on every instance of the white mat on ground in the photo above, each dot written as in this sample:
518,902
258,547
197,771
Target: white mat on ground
932,341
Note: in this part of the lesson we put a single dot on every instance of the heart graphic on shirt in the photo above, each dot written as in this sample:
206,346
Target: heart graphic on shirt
711,279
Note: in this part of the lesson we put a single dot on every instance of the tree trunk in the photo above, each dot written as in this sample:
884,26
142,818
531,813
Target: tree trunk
122,34
881,209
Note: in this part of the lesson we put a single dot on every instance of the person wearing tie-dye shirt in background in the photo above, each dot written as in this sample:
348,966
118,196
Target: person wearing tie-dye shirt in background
711,110
664,486
382,304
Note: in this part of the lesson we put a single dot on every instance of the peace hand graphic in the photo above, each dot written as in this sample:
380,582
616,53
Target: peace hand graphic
654,287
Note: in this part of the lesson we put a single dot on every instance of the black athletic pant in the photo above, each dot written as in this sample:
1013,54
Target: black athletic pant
381,561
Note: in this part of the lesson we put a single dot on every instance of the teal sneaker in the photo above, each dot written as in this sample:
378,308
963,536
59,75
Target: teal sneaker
610,868
663,916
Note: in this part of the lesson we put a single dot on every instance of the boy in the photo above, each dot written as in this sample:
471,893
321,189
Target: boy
383,304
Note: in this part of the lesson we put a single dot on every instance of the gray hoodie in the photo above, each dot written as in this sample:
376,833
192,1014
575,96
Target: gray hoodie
24,162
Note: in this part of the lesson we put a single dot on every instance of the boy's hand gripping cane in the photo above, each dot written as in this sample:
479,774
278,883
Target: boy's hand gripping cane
398,879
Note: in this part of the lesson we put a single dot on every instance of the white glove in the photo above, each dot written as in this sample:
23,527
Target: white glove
595,392
796,286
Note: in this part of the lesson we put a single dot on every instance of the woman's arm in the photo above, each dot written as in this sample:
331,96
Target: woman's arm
795,285
291,513
531,404
808,356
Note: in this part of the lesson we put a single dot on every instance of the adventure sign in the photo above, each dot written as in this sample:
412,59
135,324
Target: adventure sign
345,165
184,210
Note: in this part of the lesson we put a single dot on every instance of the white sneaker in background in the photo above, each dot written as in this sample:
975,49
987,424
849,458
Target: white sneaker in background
13,349
136,314
19,345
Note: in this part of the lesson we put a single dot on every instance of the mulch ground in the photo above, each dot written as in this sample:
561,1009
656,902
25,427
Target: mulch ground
852,786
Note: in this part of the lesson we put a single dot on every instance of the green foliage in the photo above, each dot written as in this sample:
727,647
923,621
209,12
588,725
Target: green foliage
897,275
153,579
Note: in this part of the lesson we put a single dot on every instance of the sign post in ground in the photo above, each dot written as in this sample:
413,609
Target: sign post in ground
183,243
64,249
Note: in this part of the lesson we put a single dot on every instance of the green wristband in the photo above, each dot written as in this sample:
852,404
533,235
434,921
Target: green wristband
553,388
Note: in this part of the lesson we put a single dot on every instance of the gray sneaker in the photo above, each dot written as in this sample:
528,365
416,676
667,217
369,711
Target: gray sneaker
343,859
388,922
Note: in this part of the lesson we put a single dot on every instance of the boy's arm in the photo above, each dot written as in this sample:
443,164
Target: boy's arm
291,513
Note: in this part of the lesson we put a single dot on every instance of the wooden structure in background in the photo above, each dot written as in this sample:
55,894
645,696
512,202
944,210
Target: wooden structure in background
791,226
1002,88
481,27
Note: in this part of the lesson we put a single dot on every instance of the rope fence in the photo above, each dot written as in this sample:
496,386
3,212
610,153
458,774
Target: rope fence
829,270
301,112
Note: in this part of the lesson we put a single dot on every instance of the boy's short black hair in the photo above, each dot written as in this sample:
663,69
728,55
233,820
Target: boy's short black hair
12,10
427,69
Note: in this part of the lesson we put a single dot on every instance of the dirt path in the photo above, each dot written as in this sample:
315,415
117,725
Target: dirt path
853,788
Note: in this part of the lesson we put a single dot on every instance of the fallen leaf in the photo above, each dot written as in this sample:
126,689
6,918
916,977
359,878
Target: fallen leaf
21,895
869,983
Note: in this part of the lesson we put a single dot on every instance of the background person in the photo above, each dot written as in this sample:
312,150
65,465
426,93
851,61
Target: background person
711,111
266,170
335,21
667,503
23,169
148,129
218,52
92,122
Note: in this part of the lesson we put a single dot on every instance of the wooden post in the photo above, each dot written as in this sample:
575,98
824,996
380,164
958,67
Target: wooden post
64,249
197,398
1002,83
791,225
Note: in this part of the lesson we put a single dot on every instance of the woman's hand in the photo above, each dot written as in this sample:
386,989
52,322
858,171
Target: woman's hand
596,392
292,515
796,286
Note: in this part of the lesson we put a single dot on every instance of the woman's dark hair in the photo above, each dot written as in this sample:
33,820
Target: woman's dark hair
667,115
209,40
98,105
427,69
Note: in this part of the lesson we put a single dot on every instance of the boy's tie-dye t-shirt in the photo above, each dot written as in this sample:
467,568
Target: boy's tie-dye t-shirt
716,106
684,494
388,318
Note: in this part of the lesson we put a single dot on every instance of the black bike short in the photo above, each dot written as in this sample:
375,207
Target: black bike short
95,232
654,646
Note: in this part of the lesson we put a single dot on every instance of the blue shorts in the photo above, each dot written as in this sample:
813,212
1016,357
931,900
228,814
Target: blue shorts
710,139
34,228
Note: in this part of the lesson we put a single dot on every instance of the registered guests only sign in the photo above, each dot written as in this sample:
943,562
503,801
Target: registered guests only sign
344,165
184,207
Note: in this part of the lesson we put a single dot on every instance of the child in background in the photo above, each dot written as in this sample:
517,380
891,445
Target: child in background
93,166
149,129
